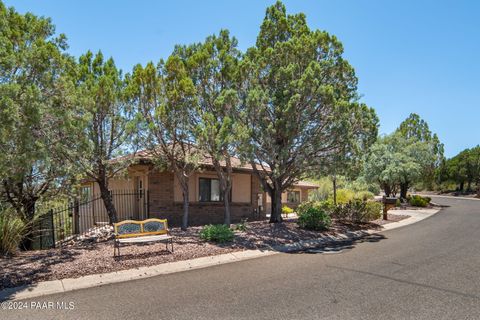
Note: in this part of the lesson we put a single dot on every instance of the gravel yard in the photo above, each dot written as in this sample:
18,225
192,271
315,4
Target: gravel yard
89,257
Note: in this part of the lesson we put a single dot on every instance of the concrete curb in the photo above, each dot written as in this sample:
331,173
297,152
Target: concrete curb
449,197
65,285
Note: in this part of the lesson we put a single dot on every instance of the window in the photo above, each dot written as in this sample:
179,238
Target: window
209,190
86,193
293,196
139,188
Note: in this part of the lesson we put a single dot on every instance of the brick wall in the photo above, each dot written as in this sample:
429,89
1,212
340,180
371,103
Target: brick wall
162,204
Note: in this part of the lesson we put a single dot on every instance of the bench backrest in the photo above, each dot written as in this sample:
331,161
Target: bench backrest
133,228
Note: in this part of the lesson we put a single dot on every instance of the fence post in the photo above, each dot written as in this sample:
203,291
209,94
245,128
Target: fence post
147,206
76,216
52,226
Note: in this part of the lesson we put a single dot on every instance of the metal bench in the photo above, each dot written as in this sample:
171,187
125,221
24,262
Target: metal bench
132,232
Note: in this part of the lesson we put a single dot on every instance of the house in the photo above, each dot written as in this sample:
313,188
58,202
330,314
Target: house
157,193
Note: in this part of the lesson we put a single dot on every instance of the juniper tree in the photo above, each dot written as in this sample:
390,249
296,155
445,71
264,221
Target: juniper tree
299,97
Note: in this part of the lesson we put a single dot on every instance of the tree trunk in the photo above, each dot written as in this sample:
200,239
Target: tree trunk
403,190
469,185
334,190
29,214
387,190
226,201
276,215
108,202
185,209
461,187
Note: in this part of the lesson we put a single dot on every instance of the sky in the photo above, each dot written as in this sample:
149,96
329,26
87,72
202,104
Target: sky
409,56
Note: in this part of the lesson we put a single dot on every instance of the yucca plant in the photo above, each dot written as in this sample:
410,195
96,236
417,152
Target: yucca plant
12,232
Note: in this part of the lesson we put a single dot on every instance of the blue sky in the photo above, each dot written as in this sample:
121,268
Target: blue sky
410,56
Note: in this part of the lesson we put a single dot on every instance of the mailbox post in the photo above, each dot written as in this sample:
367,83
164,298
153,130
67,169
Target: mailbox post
388,203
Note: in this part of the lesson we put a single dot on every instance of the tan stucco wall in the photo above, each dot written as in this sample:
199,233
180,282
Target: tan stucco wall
242,188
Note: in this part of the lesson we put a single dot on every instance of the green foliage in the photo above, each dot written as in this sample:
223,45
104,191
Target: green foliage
419,201
358,211
343,196
12,232
398,203
215,126
360,185
324,190
300,99
105,127
364,195
36,96
417,130
242,226
286,210
313,216
218,233
463,169
164,97
395,161
373,211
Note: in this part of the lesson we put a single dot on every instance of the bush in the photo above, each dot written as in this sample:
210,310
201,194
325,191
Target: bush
373,211
344,195
219,233
313,216
12,232
326,205
287,210
358,211
419,201
398,203
324,190
242,226
364,195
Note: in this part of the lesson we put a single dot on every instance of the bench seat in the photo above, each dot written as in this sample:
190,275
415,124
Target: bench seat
145,239
132,232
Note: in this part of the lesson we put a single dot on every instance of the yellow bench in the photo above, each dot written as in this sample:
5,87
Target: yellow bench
132,231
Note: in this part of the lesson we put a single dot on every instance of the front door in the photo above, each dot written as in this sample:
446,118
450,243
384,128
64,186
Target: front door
140,195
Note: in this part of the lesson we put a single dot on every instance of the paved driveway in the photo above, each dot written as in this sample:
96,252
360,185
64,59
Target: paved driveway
429,270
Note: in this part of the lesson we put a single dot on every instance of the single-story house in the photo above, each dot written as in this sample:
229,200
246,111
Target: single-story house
160,195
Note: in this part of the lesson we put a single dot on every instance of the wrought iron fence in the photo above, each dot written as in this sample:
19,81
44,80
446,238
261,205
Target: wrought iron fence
79,217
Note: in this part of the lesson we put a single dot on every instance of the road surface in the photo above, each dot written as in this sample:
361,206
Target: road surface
428,270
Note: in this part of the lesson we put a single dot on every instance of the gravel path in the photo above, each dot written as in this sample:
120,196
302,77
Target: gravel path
86,258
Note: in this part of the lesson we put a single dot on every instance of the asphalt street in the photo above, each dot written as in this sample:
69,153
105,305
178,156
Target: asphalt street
428,270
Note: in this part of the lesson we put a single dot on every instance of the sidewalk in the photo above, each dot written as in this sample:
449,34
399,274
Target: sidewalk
65,285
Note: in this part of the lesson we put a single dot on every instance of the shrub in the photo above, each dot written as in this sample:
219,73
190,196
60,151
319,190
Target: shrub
358,211
419,201
326,205
325,187
287,210
242,226
12,231
312,216
364,195
398,203
219,233
373,211
344,195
